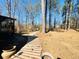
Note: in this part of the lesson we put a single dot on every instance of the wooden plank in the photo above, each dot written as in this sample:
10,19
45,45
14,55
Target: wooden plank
31,50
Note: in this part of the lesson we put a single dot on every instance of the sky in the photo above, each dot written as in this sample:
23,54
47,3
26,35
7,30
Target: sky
37,18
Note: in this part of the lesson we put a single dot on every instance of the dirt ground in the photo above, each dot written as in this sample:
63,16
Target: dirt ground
64,45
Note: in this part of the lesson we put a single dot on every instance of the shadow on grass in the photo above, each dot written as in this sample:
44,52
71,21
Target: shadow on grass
21,40
8,40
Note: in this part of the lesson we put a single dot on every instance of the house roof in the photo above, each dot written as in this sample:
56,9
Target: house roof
3,18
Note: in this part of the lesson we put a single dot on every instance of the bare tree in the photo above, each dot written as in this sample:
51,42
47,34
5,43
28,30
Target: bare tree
8,7
53,7
31,11
0,9
50,14
64,12
15,5
69,10
44,14
76,10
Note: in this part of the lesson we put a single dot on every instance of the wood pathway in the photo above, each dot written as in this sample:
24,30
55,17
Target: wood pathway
31,50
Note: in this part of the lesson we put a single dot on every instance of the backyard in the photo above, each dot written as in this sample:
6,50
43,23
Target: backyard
39,29
64,45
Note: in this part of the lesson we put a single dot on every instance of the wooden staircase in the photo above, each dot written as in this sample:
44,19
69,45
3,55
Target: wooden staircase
32,50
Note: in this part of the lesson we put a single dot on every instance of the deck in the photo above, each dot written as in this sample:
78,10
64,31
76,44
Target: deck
31,50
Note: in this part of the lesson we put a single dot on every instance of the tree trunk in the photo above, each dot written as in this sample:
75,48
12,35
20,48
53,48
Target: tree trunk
32,23
54,23
68,21
65,22
69,14
8,4
50,9
44,14
14,7
77,24
0,10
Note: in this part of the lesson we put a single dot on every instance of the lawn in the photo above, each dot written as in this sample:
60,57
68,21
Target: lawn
64,45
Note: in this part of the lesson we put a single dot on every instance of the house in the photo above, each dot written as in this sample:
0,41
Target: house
6,24
7,28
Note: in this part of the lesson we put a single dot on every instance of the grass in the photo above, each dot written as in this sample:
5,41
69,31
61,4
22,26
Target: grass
64,45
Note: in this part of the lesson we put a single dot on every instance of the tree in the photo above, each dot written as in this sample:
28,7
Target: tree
15,5
0,9
67,13
64,11
44,15
8,7
69,10
35,12
76,12
31,11
50,14
53,6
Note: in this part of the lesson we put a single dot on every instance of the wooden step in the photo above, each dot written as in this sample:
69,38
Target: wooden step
31,50
35,51
33,56
21,57
32,53
27,48
24,57
15,58
32,45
